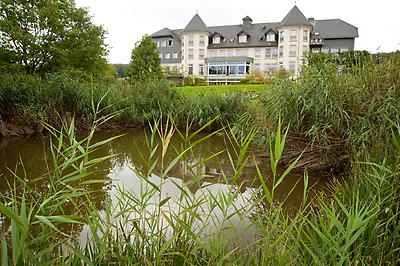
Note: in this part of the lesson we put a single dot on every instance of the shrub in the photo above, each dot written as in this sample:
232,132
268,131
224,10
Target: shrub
189,81
200,81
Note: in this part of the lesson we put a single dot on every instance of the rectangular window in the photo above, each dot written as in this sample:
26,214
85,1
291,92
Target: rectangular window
315,50
201,53
238,52
231,52
216,40
270,37
170,42
167,56
190,54
241,70
163,43
292,67
305,50
202,41
175,55
325,50
201,70
257,53
334,50
158,44
292,50
293,35
160,55
281,36
190,40
222,53
243,38
280,51
344,49
232,70
267,52
305,36
183,41
190,69
274,52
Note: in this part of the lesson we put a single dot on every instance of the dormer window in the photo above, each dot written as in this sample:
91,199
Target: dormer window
243,38
217,40
270,37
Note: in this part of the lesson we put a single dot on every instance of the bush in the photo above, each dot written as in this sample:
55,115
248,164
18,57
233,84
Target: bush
200,81
189,81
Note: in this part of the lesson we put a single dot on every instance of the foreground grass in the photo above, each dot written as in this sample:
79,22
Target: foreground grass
243,89
359,224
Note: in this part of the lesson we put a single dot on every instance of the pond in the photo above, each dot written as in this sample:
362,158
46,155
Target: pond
204,172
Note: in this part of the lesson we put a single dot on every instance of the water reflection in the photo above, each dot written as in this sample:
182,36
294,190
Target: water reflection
156,204
31,157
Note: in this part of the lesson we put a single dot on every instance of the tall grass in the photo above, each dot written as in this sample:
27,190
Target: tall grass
326,107
26,100
160,221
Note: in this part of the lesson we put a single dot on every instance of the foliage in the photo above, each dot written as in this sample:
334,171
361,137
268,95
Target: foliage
344,59
243,89
122,70
45,36
25,100
255,77
194,81
323,105
145,62
189,81
172,72
358,224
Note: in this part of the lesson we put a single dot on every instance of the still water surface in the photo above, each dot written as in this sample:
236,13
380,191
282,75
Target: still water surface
30,158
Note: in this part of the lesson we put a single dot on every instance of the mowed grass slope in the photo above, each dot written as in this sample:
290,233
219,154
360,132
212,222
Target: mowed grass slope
194,91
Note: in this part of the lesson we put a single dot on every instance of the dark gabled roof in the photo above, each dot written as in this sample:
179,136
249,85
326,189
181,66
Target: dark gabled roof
216,34
163,33
334,29
230,33
269,30
328,29
242,32
196,24
294,17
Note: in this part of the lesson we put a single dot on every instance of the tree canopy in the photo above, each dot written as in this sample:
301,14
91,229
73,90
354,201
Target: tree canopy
40,36
145,61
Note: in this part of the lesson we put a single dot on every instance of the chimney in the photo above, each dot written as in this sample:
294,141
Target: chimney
247,22
311,20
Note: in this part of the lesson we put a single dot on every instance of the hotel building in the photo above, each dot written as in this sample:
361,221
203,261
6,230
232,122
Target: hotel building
226,54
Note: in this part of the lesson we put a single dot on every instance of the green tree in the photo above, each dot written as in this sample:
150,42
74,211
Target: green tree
145,61
40,36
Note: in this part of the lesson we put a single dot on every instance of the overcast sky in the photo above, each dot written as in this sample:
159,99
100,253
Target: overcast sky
126,21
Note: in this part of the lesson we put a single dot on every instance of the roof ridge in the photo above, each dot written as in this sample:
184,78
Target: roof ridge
294,17
196,24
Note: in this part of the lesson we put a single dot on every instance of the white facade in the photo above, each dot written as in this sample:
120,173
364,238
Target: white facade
225,54
194,51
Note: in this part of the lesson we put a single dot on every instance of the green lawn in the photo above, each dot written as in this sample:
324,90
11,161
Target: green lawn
194,91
